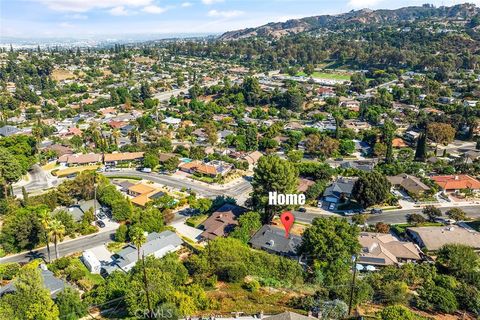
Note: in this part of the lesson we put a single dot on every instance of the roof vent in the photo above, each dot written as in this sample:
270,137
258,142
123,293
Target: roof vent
271,243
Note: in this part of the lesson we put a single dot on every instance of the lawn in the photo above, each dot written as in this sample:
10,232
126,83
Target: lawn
401,228
324,75
196,220
73,170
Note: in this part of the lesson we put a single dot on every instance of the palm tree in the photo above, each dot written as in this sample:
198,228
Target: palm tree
137,235
115,136
45,220
57,231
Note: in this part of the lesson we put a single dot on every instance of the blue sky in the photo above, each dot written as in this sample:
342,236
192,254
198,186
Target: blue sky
58,18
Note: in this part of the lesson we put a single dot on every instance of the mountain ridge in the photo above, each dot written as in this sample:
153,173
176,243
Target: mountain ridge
358,17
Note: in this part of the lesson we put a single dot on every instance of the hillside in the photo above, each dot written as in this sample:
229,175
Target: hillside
360,17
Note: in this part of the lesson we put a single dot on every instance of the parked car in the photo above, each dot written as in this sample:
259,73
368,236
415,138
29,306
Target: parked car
100,223
302,210
146,170
376,211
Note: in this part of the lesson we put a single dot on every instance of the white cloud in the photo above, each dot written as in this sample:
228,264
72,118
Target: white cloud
154,9
87,5
363,3
118,11
77,16
209,2
66,25
186,4
225,14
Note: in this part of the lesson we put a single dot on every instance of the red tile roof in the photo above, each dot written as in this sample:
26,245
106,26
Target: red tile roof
456,182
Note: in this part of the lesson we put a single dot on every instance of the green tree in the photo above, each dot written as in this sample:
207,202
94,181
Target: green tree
150,160
171,164
30,301
248,224
388,131
460,260
456,214
45,218
440,133
371,188
70,306
435,298
10,170
399,313
358,82
57,231
432,212
272,174
329,244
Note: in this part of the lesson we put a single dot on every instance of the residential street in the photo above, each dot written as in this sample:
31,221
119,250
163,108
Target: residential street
389,217
64,248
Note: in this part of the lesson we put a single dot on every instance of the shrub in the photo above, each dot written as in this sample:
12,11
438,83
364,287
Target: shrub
251,285
121,233
233,272
9,270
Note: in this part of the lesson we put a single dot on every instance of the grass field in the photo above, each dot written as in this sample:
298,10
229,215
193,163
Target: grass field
73,170
329,76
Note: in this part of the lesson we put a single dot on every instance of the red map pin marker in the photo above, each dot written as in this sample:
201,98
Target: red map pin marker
287,219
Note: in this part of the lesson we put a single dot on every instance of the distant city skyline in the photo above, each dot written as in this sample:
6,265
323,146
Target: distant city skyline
124,18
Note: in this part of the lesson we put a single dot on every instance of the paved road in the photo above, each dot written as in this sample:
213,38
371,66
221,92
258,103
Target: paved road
200,188
38,181
390,217
400,216
64,249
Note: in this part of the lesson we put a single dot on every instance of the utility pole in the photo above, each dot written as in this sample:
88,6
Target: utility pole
352,289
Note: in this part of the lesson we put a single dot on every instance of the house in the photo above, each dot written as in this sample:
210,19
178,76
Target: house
399,143
112,159
80,159
433,238
409,183
339,191
174,122
272,239
222,221
59,149
380,249
304,184
139,189
164,157
50,282
455,183
362,165
142,194
212,168
411,136
252,158
156,244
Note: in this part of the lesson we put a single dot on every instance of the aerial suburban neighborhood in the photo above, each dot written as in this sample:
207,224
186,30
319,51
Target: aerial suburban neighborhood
326,167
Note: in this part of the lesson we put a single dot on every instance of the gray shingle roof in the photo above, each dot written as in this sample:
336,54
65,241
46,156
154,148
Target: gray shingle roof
287,316
272,239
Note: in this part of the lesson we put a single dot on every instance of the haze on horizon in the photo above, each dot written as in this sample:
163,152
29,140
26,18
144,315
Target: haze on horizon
127,18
